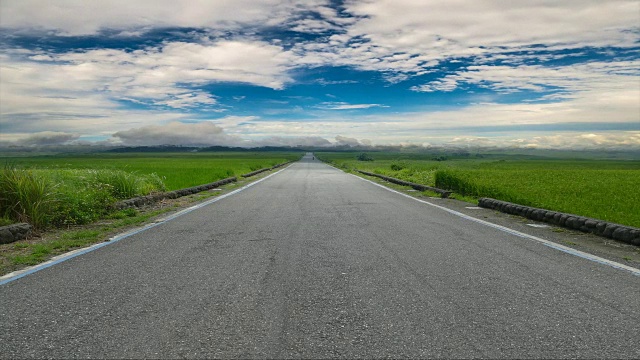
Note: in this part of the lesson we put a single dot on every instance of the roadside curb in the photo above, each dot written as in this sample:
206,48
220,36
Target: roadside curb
627,234
253,173
443,193
150,199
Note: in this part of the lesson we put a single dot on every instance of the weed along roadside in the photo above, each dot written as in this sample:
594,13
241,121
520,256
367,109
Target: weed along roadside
42,244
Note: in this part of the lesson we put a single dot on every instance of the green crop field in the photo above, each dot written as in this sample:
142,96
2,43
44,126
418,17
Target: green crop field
177,170
78,189
601,189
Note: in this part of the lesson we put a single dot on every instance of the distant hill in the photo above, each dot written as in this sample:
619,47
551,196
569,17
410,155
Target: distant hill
173,149
153,149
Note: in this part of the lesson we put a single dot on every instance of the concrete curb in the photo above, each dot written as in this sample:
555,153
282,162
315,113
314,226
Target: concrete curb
150,199
627,234
253,173
420,187
14,232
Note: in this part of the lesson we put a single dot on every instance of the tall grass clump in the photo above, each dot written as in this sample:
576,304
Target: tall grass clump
26,196
98,189
123,185
463,182
64,197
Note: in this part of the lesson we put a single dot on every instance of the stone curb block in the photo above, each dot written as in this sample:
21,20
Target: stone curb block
14,232
420,187
628,234
253,173
150,199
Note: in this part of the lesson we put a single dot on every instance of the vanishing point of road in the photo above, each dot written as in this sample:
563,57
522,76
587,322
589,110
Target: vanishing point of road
313,263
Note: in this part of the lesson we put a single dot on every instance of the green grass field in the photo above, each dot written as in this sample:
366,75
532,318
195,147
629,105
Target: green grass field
78,189
601,189
177,170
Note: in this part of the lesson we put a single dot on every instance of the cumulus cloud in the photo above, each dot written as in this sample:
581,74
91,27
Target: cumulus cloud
78,17
309,141
611,141
629,140
404,38
175,133
444,28
246,61
570,78
85,90
154,76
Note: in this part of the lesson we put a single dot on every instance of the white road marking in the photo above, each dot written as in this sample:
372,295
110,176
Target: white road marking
542,226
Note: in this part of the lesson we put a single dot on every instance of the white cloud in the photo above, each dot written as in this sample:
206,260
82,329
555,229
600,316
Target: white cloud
311,141
79,17
313,26
595,75
612,141
80,91
325,82
412,37
245,61
451,28
568,141
347,106
396,36
449,83
187,100
175,133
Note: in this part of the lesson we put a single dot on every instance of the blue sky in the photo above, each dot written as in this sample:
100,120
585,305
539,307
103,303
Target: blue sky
536,74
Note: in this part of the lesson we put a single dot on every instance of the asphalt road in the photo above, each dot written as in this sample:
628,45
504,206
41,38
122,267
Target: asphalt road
314,263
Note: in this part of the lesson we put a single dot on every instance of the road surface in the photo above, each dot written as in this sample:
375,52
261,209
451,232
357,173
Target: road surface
316,263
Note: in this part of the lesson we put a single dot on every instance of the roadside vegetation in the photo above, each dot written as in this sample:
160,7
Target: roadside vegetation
63,197
601,189
71,196
55,191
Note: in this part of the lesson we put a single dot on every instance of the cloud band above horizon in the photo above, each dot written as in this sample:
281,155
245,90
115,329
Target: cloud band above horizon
391,72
